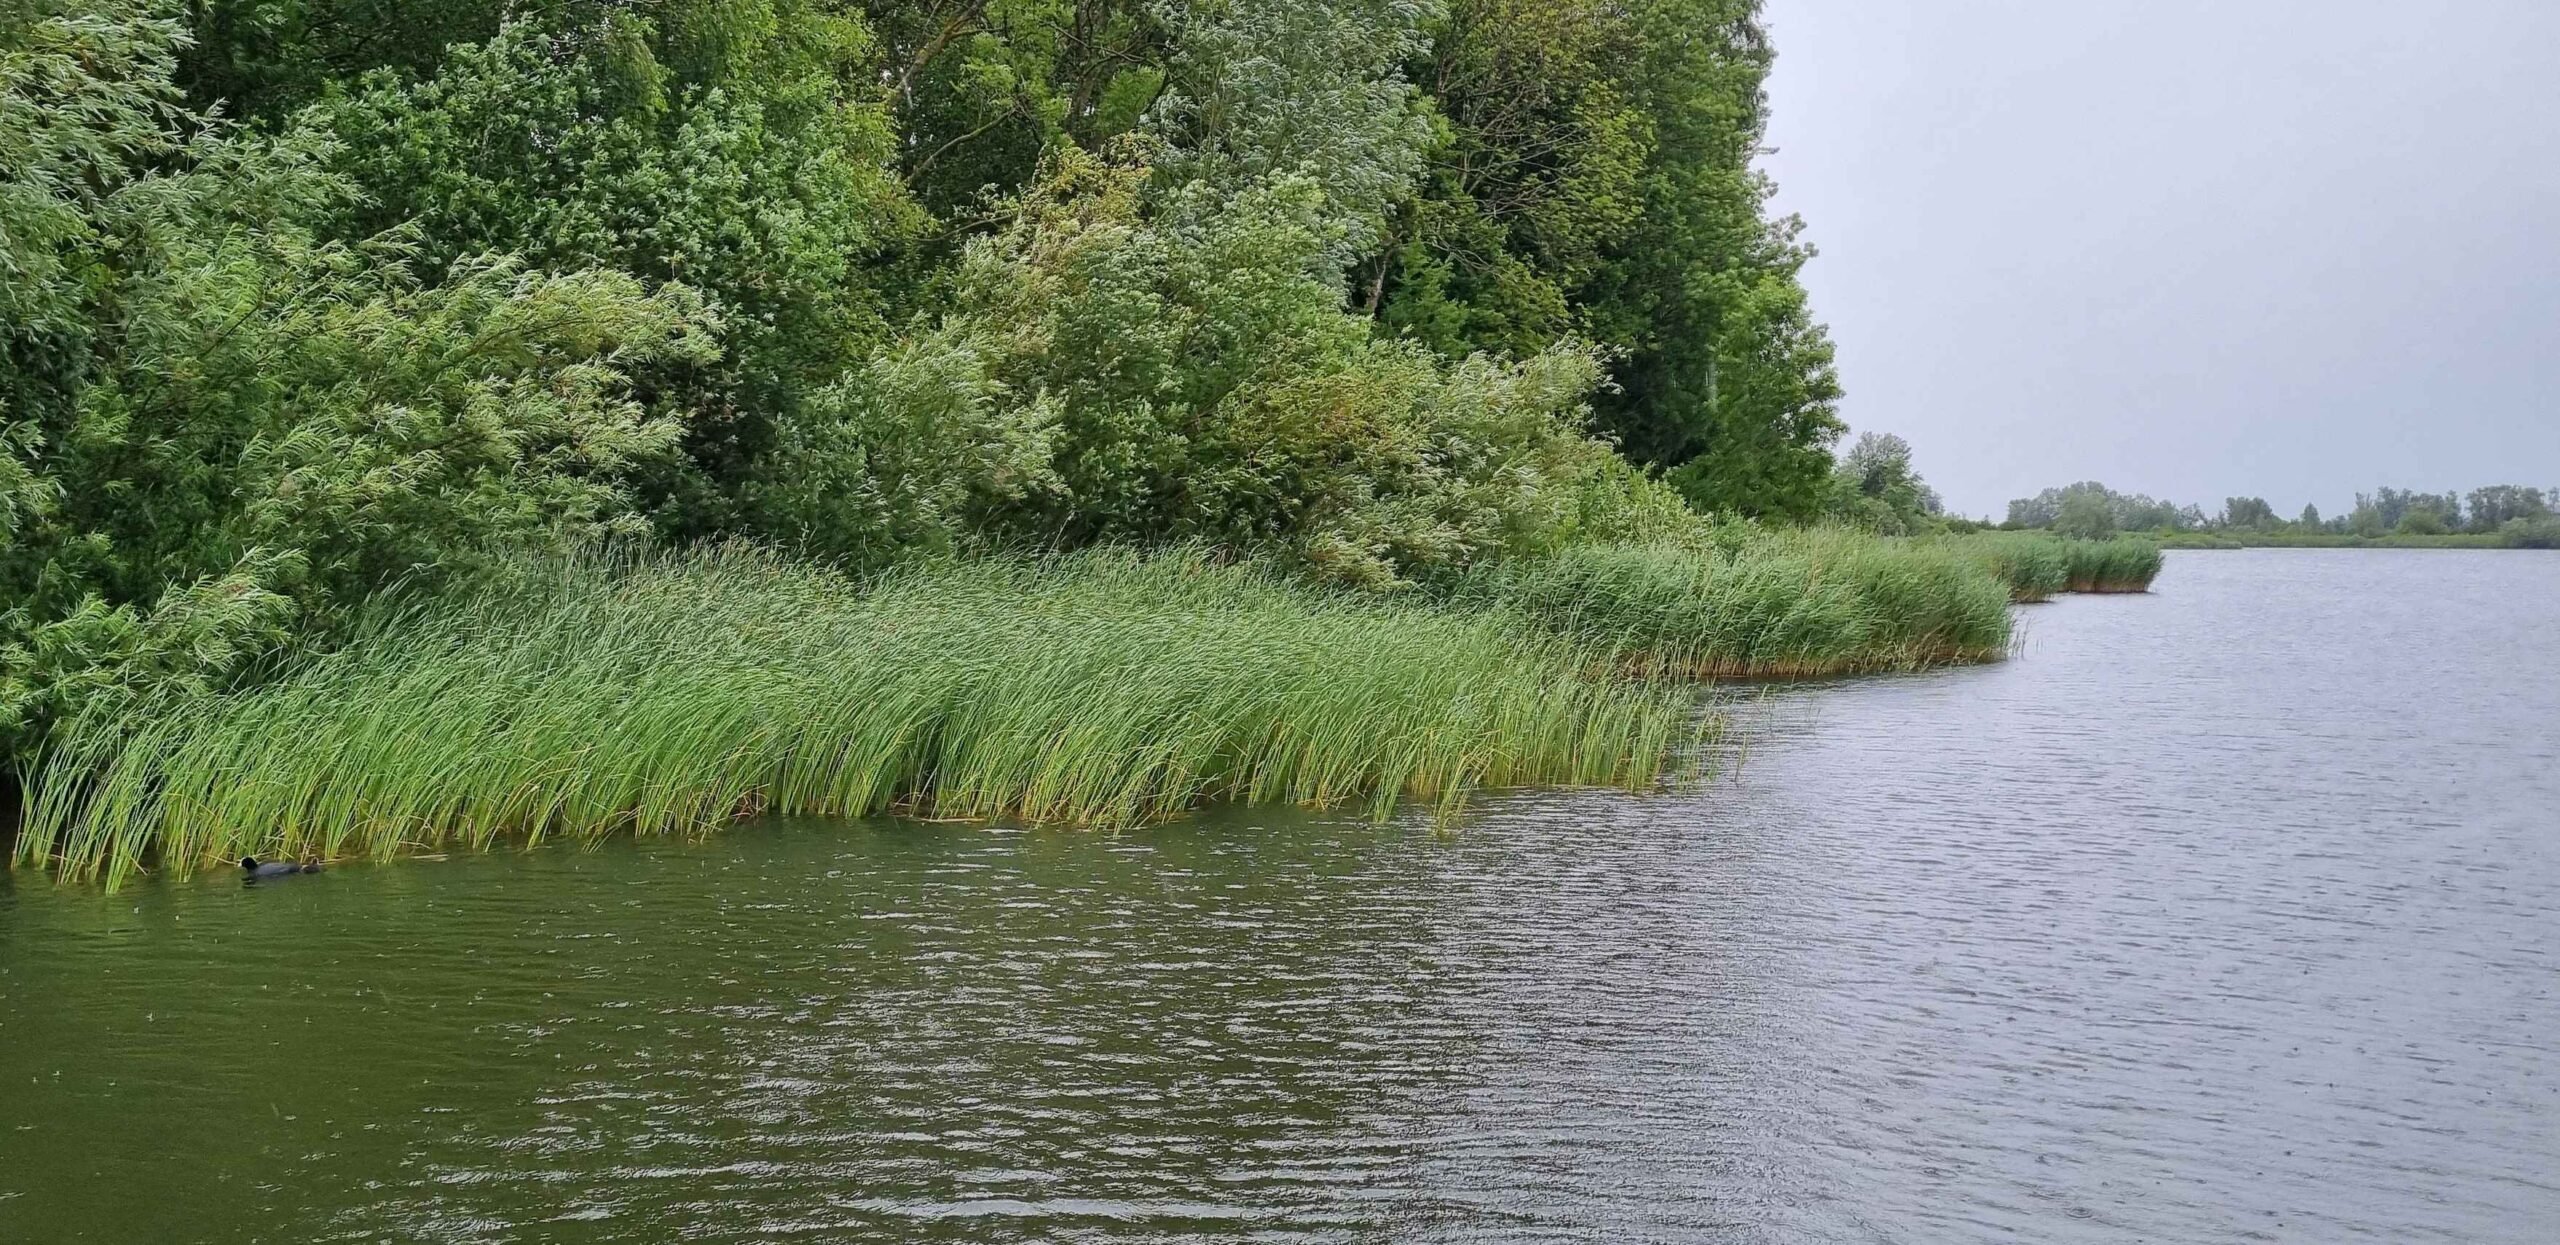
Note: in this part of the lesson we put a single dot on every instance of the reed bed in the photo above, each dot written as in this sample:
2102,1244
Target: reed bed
2120,565
1777,605
675,694
2036,567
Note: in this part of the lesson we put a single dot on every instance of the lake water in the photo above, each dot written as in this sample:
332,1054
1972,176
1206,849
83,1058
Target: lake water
2228,913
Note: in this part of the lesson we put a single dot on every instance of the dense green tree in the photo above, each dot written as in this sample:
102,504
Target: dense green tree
1727,383
2540,531
2392,508
1189,373
1594,179
262,59
2085,516
1876,487
306,298
2132,512
980,89
2498,505
1313,90
1536,173
2422,523
757,177
1233,94
220,425
2252,513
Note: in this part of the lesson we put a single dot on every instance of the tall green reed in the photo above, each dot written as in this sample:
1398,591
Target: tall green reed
2039,565
2124,564
1775,604
2034,566
676,693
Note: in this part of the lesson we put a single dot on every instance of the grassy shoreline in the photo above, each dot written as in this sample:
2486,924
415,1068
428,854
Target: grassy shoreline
680,694
675,693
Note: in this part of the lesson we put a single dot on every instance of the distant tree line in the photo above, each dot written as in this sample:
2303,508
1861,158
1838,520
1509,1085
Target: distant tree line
2521,515
2091,509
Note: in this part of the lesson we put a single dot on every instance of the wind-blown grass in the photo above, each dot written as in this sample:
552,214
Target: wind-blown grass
2038,565
1783,605
676,694
2035,566
2120,565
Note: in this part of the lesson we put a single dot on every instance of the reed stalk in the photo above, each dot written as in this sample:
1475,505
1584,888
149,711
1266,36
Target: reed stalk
674,694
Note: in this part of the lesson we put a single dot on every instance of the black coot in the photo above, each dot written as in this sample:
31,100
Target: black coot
257,868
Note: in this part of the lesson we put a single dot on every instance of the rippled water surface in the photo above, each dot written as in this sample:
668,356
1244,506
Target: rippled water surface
2226,913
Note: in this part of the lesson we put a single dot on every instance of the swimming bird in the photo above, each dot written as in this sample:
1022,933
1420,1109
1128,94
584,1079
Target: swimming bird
257,868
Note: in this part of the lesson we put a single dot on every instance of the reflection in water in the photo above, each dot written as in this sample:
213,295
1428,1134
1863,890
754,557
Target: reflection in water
2225,914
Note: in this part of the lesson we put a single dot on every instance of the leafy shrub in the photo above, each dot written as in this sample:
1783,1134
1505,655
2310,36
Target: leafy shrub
2540,532
219,425
755,177
1193,377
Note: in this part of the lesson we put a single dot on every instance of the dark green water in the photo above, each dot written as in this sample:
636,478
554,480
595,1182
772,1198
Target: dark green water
2230,913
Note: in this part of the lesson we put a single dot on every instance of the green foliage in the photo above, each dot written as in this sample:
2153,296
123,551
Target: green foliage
2422,523
218,421
757,180
980,90
261,59
2130,512
1193,375
1334,284
1728,383
2034,566
2085,516
2395,510
1876,488
2037,566
2296,538
2248,512
674,695
1311,90
2537,532
1535,174
1593,180
2123,565
2493,508
1760,604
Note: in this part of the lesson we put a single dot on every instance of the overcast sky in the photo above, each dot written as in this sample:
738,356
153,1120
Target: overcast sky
2288,248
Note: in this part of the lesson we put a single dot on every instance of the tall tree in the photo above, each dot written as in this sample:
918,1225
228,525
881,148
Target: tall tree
2248,512
1728,382
980,89
1536,172
2497,505
736,149
1596,179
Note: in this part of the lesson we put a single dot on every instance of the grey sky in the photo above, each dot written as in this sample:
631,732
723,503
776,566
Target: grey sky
2290,248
